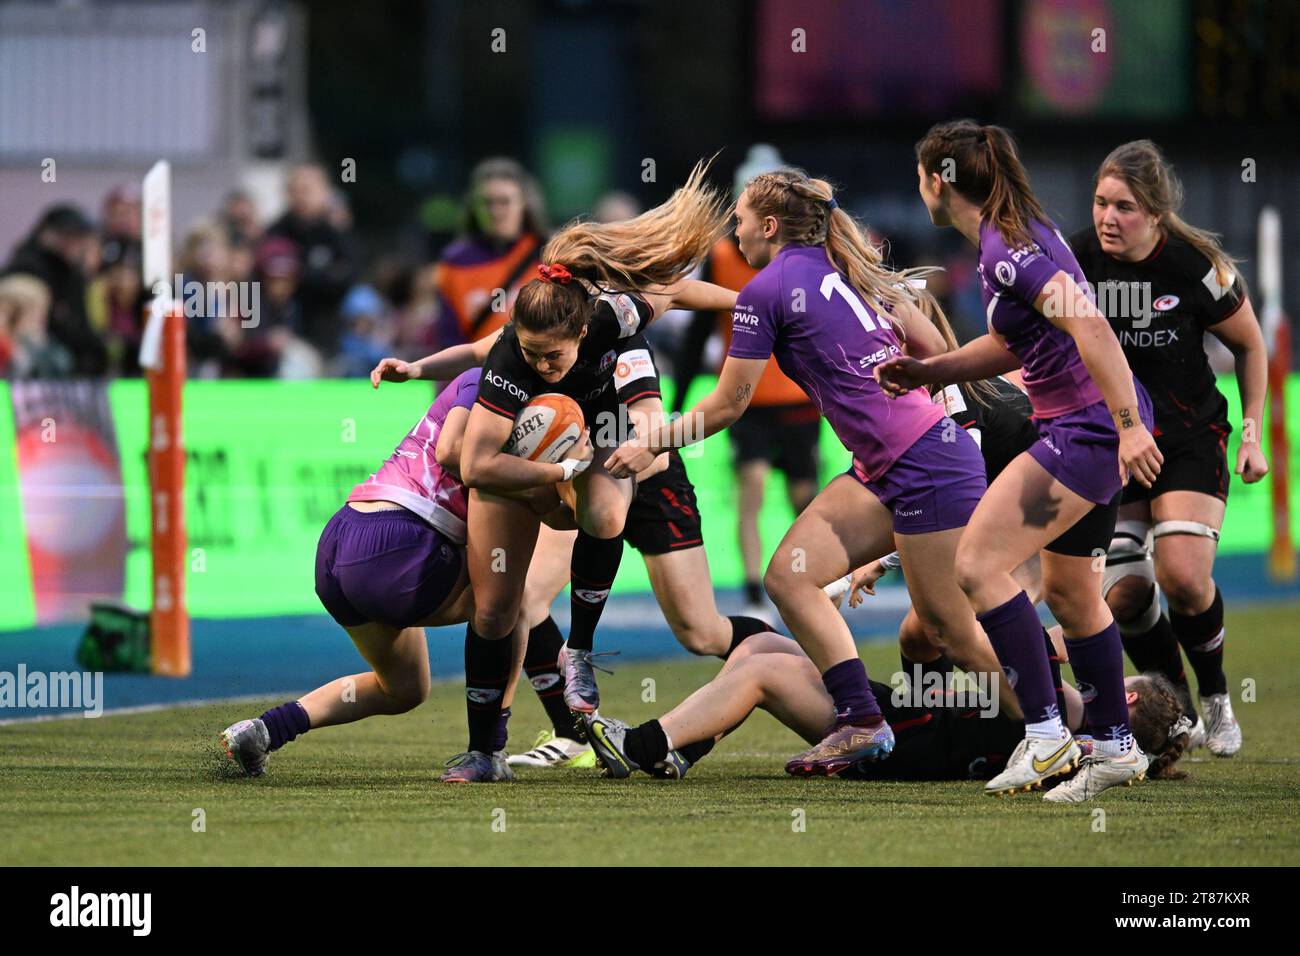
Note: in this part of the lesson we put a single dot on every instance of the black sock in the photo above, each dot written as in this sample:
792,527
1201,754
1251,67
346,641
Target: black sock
753,592
542,667
646,745
741,628
1058,682
1201,636
697,751
1157,650
592,570
487,671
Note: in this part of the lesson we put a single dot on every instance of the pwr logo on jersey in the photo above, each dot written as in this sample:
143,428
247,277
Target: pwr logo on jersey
634,365
1165,303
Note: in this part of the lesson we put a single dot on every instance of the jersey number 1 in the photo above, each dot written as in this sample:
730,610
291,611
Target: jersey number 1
833,283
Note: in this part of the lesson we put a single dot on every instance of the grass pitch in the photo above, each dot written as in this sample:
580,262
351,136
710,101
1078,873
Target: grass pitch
129,790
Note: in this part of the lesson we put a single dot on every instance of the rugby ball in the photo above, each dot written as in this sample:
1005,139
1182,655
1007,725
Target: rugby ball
546,428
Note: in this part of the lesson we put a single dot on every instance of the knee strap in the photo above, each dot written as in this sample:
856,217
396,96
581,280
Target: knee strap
1129,555
1164,528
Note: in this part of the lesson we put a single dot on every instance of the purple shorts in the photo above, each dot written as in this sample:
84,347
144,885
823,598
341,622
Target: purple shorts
386,566
934,485
1081,449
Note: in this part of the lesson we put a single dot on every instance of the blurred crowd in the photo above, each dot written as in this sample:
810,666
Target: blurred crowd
72,298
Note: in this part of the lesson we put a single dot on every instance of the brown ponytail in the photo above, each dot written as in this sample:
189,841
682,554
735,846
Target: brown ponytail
1156,712
983,165
806,214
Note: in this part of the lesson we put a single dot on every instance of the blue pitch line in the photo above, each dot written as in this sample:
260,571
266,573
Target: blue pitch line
270,656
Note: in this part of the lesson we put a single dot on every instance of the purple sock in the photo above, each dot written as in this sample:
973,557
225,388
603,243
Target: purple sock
1017,638
849,689
1098,664
285,722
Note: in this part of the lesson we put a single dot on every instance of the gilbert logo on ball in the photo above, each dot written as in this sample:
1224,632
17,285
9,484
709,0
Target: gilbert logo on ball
546,428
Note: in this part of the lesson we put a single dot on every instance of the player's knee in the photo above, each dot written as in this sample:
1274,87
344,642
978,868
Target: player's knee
916,641
408,693
495,623
697,640
604,523
779,583
1129,598
970,569
1075,608
1186,592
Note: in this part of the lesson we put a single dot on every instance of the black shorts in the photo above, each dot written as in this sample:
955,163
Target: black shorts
1196,461
664,515
784,436
1091,534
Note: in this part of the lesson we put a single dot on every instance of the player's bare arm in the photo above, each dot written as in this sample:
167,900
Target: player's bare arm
1240,332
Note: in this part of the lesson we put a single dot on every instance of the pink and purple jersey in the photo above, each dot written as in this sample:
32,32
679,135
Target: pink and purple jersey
802,310
412,477
1053,372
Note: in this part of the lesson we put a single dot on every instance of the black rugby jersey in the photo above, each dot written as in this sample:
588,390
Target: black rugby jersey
1000,424
614,363
1160,308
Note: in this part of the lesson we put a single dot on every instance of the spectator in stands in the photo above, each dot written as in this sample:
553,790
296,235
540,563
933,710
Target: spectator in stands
503,227
240,217
616,206
26,348
122,212
115,304
327,259
366,337
56,252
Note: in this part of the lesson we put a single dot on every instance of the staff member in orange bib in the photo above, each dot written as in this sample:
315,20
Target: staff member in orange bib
503,227
781,426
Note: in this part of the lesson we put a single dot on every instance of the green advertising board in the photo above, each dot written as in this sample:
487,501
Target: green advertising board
269,462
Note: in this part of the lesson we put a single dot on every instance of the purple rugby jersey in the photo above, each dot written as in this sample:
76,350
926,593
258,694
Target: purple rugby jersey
1010,280
825,338
412,477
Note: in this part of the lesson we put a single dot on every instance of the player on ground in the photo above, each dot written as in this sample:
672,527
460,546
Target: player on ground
1185,286
390,563
1060,497
663,523
947,738
822,305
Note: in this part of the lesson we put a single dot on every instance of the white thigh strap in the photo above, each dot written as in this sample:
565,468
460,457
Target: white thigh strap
1164,528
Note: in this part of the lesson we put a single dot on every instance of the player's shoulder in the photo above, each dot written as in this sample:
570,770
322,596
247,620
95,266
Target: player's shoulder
1084,244
467,379
626,311
1181,257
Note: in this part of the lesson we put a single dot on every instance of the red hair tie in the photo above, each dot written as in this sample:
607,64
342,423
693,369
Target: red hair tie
555,273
